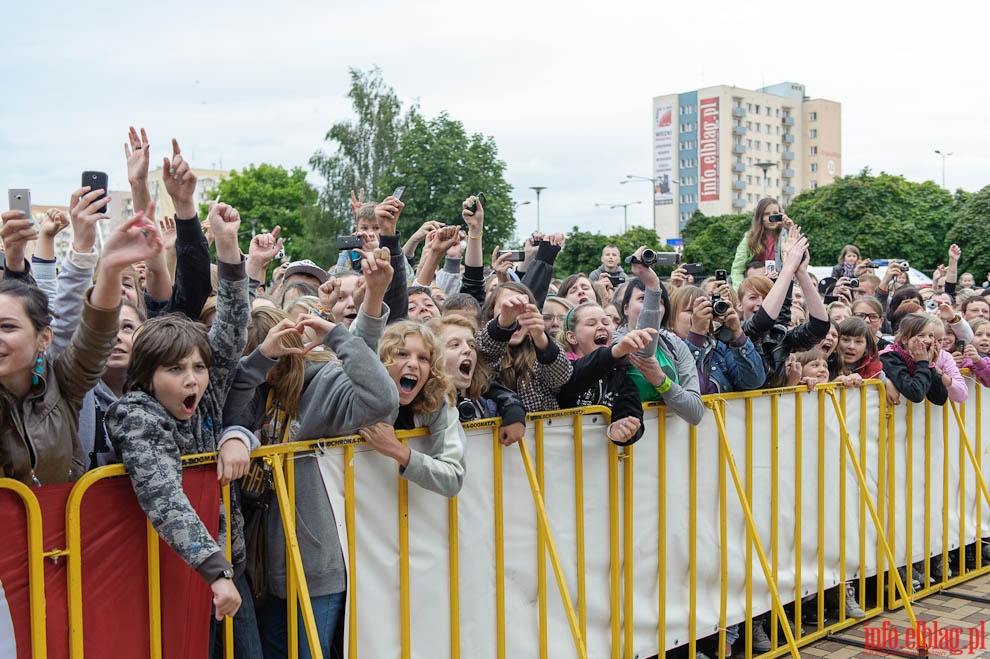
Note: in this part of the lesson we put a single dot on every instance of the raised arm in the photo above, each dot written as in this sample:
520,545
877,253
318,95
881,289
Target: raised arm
228,336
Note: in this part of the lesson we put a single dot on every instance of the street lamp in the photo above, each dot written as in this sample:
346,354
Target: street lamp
944,156
765,166
520,203
538,189
625,212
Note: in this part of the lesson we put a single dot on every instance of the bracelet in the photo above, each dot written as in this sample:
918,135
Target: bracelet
323,312
474,237
664,386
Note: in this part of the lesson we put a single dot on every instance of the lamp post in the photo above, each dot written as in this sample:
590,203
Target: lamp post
520,203
765,166
538,189
652,203
944,156
625,212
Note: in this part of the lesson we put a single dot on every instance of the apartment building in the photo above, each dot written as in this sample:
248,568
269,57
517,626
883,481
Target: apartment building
721,149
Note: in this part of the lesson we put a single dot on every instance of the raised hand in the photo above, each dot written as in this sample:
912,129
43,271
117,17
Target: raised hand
701,315
320,324
678,277
53,222
369,240
475,220
388,213
510,308
136,150
645,273
378,271
265,246
180,183
224,224
919,349
955,253
273,346
329,292
633,341
501,265
15,233
649,367
357,202
84,215
531,322
169,235
135,240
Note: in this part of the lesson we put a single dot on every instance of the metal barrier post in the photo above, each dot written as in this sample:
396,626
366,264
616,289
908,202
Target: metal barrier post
36,566
542,520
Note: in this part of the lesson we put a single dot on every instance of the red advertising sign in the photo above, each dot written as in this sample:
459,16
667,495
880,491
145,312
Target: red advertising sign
708,149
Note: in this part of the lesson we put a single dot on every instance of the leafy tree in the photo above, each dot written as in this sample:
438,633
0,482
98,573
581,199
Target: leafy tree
885,216
713,240
363,151
269,195
969,231
441,165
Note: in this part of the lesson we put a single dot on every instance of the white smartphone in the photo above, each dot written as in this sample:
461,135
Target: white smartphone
19,199
771,267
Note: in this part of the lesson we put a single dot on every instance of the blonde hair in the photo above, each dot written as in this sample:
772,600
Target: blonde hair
438,387
286,378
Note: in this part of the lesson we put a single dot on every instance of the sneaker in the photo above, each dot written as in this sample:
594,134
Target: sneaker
853,609
986,553
761,642
701,655
915,584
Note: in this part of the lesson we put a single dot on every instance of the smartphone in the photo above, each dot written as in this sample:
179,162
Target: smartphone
694,269
776,217
349,242
721,275
397,193
770,267
515,255
19,199
97,181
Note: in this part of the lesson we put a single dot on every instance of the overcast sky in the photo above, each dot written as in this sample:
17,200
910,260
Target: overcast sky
564,88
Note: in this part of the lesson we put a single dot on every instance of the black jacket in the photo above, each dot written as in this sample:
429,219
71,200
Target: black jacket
601,379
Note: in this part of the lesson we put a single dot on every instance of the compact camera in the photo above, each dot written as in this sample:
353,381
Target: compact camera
719,306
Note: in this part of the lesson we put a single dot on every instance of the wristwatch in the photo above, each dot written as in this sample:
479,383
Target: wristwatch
227,573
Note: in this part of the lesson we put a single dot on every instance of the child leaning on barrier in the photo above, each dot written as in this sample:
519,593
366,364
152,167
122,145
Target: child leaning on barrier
976,355
176,384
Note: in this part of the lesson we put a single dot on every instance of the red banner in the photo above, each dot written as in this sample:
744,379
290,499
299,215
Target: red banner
708,149
114,571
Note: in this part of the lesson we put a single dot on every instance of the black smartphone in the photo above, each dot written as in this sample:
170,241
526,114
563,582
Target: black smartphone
721,275
97,181
397,193
349,242
694,269
473,208
19,199
515,255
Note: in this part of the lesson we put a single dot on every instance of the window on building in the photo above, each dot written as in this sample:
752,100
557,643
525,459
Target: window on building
778,130
812,116
749,107
769,147
813,133
768,110
813,185
749,196
776,113
749,124
757,109
757,145
757,127
813,167
778,147
812,150
749,179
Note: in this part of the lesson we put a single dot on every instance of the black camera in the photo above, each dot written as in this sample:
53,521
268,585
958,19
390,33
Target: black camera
653,257
776,217
854,283
473,208
466,408
867,264
719,306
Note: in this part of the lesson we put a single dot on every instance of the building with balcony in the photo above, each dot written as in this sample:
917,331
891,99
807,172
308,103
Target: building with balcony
734,146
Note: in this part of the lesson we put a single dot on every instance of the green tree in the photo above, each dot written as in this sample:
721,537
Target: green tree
361,152
969,231
583,250
885,216
269,195
441,165
713,240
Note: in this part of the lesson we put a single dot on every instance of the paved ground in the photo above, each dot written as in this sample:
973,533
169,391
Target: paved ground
955,617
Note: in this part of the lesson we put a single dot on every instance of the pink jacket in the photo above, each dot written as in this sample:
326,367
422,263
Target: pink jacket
958,391
980,368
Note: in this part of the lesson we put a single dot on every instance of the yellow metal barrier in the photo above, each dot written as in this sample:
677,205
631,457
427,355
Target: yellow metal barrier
828,402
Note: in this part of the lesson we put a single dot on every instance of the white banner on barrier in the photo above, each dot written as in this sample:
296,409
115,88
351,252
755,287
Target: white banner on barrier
376,531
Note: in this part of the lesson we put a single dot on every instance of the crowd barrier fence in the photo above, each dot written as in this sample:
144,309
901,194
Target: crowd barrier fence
775,498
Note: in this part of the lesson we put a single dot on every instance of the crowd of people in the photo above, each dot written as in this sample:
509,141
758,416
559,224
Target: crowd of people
145,351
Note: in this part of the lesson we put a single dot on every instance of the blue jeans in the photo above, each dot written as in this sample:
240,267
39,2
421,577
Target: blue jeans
273,625
247,642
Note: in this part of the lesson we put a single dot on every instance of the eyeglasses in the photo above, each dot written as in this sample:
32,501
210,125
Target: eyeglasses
550,317
868,316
